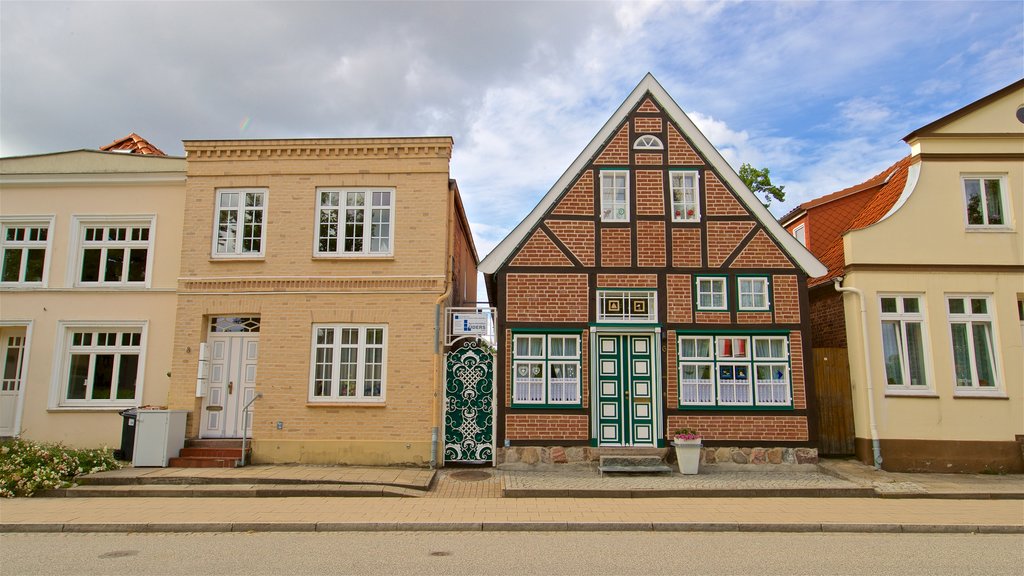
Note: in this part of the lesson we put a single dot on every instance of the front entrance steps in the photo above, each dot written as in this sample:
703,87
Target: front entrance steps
252,481
633,464
224,453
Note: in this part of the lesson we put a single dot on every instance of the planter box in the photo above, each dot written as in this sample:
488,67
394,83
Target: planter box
688,455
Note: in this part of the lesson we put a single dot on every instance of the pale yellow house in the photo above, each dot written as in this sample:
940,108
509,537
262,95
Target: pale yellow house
312,278
89,244
936,278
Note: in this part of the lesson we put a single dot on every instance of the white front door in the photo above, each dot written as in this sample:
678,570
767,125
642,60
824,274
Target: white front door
231,384
12,370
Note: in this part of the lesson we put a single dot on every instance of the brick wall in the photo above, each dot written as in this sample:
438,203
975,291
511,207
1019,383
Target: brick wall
648,158
627,281
786,293
546,298
650,243
616,248
753,317
723,238
720,202
646,125
617,150
648,105
744,428
679,151
680,305
579,201
578,237
686,248
713,318
547,427
650,193
828,319
761,252
539,250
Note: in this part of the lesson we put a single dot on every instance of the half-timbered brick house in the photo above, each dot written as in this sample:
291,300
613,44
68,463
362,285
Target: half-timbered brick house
650,290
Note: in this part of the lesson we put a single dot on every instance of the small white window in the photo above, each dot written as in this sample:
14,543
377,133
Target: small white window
240,222
711,293
25,247
696,370
974,352
354,222
627,306
615,195
349,363
114,252
648,142
903,342
800,233
986,201
685,196
753,293
102,365
546,369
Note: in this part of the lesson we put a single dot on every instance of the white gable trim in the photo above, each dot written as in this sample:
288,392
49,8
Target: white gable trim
790,245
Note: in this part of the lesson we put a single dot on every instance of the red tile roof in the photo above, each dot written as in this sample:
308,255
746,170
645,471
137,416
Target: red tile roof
134,144
892,180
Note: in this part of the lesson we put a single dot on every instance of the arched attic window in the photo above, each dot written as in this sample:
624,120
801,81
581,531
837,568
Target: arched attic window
648,142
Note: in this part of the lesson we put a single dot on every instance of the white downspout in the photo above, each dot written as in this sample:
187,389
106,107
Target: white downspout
875,448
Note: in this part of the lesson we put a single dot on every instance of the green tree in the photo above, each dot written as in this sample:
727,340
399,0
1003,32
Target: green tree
761,184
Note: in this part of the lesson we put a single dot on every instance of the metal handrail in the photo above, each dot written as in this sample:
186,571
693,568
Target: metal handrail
245,425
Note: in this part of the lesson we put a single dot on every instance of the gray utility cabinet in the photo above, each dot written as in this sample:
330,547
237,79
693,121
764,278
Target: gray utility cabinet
159,436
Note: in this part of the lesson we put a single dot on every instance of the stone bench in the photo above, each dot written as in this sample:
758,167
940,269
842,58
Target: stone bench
633,465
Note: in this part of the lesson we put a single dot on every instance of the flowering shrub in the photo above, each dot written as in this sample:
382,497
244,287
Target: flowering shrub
27,467
686,434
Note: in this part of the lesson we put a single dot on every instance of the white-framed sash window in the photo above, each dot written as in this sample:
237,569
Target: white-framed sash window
986,201
349,363
101,364
354,222
685,192
733,370
975,354
24,250
711,293
904,344
753,293
546,369
615,195
240,223
114,251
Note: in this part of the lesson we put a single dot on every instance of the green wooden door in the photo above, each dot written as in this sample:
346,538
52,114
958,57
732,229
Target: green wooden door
626,391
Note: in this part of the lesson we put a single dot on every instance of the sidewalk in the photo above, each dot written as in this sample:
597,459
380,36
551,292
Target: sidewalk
562,497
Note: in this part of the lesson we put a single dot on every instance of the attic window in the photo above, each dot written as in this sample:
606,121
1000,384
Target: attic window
648,142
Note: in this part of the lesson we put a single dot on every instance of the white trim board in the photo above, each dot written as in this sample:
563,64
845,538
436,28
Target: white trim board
501,253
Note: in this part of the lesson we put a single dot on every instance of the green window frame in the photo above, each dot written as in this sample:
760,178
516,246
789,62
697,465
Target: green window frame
711,293
733,370
547,369
753,294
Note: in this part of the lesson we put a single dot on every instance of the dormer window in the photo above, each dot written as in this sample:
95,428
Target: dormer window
648,142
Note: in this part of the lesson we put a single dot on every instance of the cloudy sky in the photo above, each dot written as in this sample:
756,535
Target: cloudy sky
820,93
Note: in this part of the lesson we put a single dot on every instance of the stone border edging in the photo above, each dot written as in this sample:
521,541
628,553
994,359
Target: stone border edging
509,527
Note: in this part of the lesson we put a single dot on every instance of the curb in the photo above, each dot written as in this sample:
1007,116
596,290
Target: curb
812,527
694,493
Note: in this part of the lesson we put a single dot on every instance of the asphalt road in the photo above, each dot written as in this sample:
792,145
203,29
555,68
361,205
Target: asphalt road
589,553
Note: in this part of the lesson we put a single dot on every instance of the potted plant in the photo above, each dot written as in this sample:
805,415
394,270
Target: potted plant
687,442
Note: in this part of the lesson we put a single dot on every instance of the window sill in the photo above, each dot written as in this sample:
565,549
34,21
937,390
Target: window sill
989,229
346,404
900,393
104,408
353,257
987,394
547,406
259,258
752,309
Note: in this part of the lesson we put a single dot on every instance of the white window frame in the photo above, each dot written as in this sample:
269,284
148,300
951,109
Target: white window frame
1004,199
765,292
627,297
62,363
368,210
29,222
800,233
606,211
362,347
81,224
545,360
741,356
902,318
969,319
677,181
237,253
648,142
719,280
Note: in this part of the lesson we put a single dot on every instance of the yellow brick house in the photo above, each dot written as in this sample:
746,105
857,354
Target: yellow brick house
313,274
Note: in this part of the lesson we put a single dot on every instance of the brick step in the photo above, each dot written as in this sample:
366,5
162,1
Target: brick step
235,453
633,464
201,462
213,443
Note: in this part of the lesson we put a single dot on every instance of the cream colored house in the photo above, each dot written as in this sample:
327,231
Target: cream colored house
938,271
312,277
90,242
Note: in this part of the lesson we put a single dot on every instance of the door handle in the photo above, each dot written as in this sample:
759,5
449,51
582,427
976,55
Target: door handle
626,393
231,386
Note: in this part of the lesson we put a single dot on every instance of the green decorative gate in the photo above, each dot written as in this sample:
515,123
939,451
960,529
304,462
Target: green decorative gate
469,404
